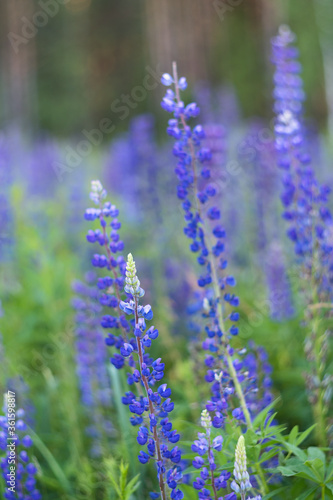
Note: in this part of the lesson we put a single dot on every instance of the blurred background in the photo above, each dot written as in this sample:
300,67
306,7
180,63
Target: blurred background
62,65
80,99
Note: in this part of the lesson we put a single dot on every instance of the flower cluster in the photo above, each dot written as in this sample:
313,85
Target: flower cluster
205,447
150,411
91,358
203,227
110,286
6,232
18,471
150,408
241,484
304,199
310,221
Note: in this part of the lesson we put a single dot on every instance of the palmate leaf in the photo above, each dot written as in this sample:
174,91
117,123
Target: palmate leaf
318,467
314,452
299,470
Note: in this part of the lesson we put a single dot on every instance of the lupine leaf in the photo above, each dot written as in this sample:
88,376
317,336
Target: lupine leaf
314,452
329,473
293,435
307,495
304,435
275,492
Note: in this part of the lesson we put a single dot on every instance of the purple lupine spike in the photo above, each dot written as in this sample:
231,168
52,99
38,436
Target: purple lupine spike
153,409
91,358
40,172
150,409
280,297
203,227
7,222
304,200
306,211
205,447
23,483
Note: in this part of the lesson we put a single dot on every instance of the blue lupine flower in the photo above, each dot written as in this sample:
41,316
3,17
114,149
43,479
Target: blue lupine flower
205,447
206,234
304,199
26,471
150,410
91,359
306,210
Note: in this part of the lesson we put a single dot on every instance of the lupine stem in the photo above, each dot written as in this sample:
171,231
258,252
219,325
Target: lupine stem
211,471
319,409
151,406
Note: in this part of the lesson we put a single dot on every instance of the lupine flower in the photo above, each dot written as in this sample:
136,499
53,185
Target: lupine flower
136,153
6,230
241,484
205,447
91,357
279,289
150,411
207,235
306,211
304,200
110,286
24,484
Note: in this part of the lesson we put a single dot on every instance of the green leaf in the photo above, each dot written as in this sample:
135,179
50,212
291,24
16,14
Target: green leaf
318,468
286,471
267,455
53,464
251,438
302,437
261,417
314,452
133,485
272,494
307,495
329,486
293,435
296,451
329,473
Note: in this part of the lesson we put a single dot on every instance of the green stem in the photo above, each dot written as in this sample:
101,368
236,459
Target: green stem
261,479
319,410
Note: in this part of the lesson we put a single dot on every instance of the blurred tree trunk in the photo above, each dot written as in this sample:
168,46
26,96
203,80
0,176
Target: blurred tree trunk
18,65
182,32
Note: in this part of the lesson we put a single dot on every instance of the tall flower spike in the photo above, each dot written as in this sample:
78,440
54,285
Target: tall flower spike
206,447
150,409
132,282
309,218
241,484
202,226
